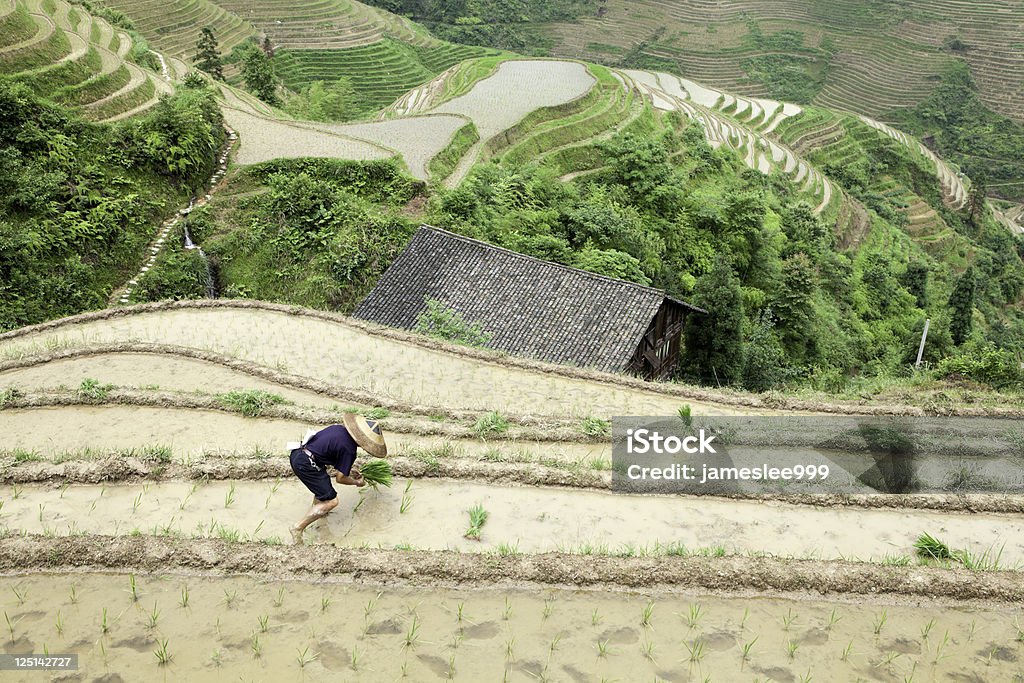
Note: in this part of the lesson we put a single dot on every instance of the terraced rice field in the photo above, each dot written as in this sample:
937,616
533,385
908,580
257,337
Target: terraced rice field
168,497
77,60
879,58
174,27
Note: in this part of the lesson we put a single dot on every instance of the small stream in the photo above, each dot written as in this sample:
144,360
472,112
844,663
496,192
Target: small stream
211,286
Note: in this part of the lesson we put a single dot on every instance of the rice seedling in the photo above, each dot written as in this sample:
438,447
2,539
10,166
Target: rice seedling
847,651
645,615
878,623
355,658
696,650
927,628
255,646
791,647
603,649
377,473
553,645
648,650
747,647
136,503
746,615
279,600
10,625
459,609
19,593
188,496
304,657
595,426
133,588
184,597
16,491
788,619
412,636
74,594
58,623
325,602
492,423
507,612
477,518
805,678
509,645
929,547
686,415
229,497
888,659
264,620
450,674
104,626
595,618
63,488
833,619
230,597
1019,637
406,499
970,631
163,655
154,615
940,648
694,615
549,607
508,549
370,605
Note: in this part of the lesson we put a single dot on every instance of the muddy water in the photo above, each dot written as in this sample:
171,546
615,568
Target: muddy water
153,371
242,628
191,433
355,359
530,518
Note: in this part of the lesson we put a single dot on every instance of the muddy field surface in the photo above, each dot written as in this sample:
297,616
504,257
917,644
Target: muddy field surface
151,370
412,373
178,627
192,433
526,519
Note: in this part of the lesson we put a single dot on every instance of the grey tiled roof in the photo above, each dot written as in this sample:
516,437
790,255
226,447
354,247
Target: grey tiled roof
529,307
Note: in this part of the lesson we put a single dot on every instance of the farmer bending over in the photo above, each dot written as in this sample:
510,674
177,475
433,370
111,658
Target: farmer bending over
334,446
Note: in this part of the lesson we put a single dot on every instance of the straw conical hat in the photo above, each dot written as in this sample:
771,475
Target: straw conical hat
367,434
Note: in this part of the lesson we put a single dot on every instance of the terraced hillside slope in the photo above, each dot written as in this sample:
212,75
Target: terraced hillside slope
77,60
174,483
858,56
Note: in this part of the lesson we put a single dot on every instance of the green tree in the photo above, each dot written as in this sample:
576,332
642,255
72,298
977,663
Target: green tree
208,54
915,281
258,72
714,340
322,101
613,263
961,304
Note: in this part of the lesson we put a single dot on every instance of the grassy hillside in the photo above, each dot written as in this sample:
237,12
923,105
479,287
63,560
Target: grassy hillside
875,58
80,201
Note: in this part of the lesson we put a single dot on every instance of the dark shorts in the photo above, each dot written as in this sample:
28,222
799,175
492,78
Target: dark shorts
313,476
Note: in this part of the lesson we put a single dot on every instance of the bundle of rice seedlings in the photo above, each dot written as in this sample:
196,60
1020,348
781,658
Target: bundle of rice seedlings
376,472
932,548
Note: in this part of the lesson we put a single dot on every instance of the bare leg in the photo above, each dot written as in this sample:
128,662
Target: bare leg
318,511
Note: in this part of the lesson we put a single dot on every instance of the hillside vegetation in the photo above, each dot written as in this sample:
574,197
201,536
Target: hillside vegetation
79,201
819,240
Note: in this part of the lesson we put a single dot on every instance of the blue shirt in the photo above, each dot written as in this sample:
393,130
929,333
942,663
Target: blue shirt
333,446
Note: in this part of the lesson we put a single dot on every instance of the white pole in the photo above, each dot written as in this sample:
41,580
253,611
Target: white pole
920,349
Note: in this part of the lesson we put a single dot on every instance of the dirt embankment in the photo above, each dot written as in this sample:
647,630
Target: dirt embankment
430,568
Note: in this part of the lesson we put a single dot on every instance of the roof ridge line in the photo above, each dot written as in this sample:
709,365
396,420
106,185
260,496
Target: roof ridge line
597,276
